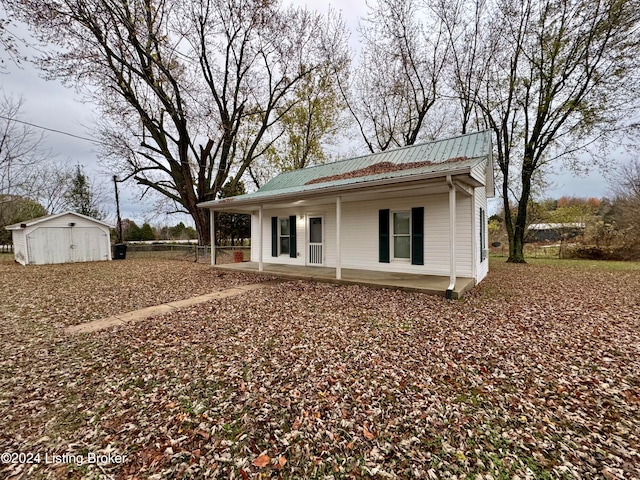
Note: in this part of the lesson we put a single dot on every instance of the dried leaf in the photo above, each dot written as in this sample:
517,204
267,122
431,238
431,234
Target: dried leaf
262,461
367,434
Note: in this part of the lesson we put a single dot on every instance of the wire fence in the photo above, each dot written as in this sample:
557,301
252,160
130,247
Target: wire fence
533,250
189,252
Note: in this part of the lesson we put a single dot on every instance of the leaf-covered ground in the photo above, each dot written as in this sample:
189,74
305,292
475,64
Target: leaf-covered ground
535,374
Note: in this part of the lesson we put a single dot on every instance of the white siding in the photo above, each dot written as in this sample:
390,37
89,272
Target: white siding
255,237
19,246
56,241
360,235
284,259
480,200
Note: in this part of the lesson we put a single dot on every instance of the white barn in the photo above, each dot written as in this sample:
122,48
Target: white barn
416,210
61,238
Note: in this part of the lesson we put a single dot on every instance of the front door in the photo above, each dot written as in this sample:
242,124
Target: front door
316,237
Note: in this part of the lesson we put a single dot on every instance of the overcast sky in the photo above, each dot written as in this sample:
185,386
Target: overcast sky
49,104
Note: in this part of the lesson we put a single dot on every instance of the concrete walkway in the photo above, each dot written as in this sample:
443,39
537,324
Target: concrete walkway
144,313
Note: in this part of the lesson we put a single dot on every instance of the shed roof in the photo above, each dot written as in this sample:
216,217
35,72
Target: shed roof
46,218
438,158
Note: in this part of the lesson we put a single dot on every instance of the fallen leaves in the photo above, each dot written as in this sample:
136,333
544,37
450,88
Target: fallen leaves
262,461
367,434
306,380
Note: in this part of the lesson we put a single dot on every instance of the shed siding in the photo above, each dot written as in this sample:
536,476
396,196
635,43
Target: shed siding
55,241
19,246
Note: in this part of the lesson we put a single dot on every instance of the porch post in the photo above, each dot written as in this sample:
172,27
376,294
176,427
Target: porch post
338,242
452,238
212,232
260,236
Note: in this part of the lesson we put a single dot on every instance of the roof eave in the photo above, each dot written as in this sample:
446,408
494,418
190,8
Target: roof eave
46,218
227,205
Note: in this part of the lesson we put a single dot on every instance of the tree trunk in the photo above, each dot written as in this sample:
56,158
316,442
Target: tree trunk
516,241
201,218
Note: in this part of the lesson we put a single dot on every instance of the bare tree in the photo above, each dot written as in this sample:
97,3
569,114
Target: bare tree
191,92
9,41
21,149
397,81
310,127
626,205
552,77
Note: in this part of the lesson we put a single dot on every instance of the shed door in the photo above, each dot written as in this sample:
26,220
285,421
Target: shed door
49,245
89,244
315,241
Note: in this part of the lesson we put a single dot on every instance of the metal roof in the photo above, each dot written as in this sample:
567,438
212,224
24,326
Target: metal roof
438,157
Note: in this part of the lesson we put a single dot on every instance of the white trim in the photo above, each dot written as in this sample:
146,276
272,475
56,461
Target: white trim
35,221
308,240
475,259
260,240
338,242
452,235
392,256
231,203
212,233
280,236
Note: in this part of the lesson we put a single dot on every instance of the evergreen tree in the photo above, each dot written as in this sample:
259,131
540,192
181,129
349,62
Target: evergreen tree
232,227
146,232
80,196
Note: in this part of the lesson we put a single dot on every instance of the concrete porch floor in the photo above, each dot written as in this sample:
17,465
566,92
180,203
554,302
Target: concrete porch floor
431,284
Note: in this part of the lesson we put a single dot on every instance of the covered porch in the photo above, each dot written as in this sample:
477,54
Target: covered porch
430,284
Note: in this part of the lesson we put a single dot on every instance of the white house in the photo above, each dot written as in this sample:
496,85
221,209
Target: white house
418,210
60,238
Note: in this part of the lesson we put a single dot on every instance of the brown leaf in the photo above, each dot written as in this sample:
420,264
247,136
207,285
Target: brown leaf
367,434
262,461
281,462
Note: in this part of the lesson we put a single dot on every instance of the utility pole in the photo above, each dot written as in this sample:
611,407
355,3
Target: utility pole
119,225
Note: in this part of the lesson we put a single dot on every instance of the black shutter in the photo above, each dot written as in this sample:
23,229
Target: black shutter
383,236
482,240
293,250
274,236
417,236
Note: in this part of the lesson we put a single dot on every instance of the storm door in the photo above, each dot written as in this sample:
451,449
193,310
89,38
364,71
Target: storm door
316,239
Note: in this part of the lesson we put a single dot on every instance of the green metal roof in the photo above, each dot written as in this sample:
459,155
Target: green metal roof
465,151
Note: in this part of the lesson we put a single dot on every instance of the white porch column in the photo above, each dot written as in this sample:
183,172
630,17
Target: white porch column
338,241
260,265
212,232
452,238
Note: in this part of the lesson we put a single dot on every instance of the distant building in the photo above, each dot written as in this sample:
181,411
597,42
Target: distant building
552,232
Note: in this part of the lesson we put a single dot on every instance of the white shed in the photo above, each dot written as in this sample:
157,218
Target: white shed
61,238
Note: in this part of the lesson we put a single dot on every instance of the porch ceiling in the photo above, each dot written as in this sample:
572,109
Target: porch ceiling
430,284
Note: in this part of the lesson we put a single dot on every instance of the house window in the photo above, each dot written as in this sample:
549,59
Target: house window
402,235
285,236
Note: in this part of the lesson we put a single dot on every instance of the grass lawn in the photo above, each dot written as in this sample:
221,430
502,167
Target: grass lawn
535,374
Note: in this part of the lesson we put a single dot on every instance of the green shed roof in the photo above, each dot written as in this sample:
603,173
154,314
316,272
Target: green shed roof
441,156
